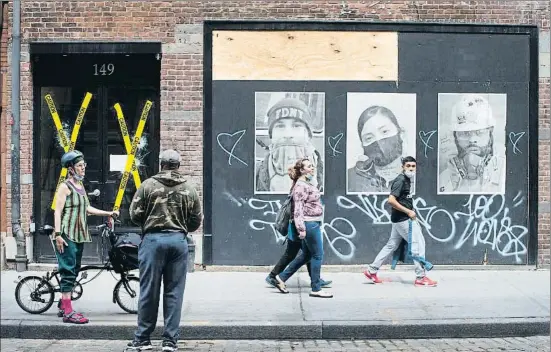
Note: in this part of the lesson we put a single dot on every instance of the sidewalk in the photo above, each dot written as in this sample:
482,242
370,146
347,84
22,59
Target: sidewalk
240,305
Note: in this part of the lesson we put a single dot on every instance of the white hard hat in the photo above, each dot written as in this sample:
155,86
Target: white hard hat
472,112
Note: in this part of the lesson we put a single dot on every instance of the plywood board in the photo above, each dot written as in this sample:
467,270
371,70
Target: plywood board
305,55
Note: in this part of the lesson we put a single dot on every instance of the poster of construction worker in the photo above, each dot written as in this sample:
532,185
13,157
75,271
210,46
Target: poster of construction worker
471,143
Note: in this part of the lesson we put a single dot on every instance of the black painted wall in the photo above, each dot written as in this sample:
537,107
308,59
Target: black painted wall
458,229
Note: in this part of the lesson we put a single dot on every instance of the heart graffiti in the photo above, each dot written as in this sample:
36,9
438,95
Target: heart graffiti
425,138
514,138
224,139
333,142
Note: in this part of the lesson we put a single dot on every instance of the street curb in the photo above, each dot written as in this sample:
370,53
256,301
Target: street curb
352,268
311,330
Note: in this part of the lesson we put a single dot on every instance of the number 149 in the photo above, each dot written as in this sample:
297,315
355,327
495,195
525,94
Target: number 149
104,69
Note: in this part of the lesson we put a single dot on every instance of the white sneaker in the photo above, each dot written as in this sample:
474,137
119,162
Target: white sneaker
321,294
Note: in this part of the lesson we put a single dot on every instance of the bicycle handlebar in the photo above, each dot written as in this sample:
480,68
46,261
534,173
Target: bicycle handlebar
106,225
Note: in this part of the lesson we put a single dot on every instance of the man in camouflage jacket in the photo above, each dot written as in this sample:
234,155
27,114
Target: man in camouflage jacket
167,208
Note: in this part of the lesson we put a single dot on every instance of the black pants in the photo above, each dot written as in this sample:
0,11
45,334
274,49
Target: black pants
290,253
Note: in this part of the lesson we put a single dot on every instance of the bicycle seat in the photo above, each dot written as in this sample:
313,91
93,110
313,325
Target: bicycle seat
46,230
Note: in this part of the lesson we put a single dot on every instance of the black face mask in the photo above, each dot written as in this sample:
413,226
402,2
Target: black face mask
384,151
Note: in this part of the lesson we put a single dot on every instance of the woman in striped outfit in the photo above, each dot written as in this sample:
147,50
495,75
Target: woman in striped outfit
71,230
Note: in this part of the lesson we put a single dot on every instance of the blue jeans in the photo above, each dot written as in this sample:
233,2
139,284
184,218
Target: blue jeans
312,251
162,257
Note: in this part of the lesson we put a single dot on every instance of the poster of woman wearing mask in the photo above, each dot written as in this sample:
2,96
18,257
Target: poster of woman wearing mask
471,143
288,126
381,129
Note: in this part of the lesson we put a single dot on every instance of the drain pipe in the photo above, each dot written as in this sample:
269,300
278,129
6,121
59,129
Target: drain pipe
17,231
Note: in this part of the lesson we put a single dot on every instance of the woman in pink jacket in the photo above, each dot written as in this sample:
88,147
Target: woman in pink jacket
307,218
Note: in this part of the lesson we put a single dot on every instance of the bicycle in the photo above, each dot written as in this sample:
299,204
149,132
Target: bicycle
44,290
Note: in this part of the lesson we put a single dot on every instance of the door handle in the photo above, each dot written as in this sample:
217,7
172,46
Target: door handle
95,193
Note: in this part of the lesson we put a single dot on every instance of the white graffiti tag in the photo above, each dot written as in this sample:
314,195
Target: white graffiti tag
345,232
269,210
482,220
375,209
337,231
369,205
488,222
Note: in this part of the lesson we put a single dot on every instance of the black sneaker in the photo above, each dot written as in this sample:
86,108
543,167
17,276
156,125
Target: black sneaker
169,346
138,346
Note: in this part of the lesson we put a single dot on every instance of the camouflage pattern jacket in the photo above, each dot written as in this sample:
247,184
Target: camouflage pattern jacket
166,202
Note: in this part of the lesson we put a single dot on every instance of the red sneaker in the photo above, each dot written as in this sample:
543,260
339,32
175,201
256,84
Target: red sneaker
425,282
372,277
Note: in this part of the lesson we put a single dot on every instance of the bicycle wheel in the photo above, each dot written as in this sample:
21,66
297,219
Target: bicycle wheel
77,291
131,288
41,291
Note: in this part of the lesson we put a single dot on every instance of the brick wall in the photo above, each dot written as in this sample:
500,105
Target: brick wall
181,85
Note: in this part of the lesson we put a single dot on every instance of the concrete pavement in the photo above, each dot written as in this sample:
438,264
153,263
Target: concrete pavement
240,305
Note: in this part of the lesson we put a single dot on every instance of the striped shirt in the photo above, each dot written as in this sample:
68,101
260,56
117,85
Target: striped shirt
74,218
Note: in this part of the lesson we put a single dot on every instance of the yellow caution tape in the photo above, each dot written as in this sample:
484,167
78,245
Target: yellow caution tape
127,145
57,122
131,155
67,145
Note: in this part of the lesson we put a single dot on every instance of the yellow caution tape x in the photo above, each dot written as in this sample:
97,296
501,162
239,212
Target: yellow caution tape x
127,145
130,164
67,145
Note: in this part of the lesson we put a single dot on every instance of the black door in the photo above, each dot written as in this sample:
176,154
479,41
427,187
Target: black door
132,104
100,137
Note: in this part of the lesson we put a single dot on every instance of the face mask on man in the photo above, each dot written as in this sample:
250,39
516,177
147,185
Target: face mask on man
287,153
385,150
409,174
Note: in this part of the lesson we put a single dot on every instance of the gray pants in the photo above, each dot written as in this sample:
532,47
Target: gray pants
162,256
400,230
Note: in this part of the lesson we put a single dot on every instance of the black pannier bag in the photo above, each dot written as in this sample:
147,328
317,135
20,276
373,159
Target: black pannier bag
123,255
